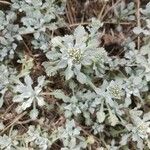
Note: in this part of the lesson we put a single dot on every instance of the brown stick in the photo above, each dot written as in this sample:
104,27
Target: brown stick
102,17
5,2
14,121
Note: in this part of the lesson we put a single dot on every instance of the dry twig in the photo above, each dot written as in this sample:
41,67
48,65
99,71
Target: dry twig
5,2
13,122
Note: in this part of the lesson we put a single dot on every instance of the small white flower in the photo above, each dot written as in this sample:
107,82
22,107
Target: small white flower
143,130
115,90
75,55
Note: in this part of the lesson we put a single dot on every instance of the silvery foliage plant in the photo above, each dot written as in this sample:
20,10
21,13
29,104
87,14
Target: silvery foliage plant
84,104
28,96
144,55
99,102
78,54
39,16
139,128
38,137
35,137
124,12
70,136
7,80
9,34
9,142
146,18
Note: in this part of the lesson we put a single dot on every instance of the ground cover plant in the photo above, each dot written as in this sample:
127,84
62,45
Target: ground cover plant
74,75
